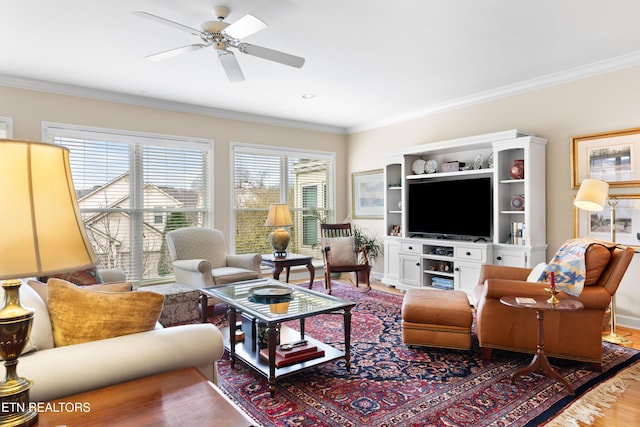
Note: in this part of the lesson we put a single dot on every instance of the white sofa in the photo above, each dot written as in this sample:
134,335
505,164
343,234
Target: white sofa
62,371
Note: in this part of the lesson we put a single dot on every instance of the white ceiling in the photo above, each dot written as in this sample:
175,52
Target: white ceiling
368,62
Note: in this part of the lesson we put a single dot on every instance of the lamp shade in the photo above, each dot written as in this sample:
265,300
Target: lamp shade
41,229
592,195
279,216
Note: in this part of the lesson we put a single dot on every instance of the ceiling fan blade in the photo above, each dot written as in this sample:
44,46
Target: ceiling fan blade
230,65
167,22
244,27
271,55
175,52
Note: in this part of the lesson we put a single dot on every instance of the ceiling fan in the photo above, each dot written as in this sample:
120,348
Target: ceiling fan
221,36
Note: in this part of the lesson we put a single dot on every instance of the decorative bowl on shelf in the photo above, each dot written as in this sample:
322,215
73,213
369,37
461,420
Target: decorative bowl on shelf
418,166
431,166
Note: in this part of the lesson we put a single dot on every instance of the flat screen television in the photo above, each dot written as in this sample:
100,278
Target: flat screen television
455,209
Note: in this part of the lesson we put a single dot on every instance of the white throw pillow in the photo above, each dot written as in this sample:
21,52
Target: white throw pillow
536,272
343,250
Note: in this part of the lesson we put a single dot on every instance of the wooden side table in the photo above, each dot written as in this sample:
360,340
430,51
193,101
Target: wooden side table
183,397
278,264
540,361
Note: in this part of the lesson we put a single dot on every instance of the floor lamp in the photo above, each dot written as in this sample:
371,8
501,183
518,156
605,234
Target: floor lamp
592,196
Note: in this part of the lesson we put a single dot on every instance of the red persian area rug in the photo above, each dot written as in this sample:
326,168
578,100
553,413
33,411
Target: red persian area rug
392,384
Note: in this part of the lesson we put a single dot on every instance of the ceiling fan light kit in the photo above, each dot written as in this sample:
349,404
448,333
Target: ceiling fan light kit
220,36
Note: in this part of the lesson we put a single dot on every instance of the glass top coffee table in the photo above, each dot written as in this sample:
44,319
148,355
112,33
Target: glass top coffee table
271,303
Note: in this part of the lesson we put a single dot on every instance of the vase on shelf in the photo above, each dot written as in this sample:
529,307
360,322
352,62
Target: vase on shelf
517,169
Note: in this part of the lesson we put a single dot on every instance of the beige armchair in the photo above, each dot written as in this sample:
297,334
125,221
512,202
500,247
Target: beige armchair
200,258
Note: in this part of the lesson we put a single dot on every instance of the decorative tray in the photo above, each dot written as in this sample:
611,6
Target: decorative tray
270,294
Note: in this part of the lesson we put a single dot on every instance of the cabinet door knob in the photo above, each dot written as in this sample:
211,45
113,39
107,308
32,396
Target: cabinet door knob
410,248
417,264
457,269
499,258
468,254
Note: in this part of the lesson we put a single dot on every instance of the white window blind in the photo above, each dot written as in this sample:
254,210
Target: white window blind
304,180
132,189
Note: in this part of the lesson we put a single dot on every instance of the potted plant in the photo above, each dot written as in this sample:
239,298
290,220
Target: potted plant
373,244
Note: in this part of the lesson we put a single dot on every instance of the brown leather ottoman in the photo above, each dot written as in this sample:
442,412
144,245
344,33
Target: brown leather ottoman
436,318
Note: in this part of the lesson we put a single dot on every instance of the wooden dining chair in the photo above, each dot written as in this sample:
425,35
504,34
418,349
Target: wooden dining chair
340,255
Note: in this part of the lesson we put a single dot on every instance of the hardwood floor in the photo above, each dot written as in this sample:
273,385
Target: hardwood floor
625,411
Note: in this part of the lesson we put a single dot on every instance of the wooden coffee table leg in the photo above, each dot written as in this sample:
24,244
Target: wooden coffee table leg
272,329
540,360
347,339
232,336
204,307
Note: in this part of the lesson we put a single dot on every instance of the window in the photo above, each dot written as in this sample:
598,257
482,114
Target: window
6,127
132,189
264,175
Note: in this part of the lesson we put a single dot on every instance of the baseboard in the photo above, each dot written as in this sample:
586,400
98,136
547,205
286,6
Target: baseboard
628,322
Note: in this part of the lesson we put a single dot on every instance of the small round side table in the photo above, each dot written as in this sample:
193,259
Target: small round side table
540,305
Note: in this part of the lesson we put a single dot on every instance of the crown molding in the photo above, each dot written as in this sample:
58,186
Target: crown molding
596,68
103,95
601,67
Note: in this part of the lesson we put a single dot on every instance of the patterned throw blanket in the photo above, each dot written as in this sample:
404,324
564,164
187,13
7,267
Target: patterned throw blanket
568,266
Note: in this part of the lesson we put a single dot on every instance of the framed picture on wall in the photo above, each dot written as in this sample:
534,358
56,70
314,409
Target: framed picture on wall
613,157
597,225
367,194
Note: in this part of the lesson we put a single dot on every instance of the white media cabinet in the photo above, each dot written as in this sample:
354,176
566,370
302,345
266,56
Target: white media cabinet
418,262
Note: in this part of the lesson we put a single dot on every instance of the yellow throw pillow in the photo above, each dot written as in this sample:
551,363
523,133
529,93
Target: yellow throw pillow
43,290
80,315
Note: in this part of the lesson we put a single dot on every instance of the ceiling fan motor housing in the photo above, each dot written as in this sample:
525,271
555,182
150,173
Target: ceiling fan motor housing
221,12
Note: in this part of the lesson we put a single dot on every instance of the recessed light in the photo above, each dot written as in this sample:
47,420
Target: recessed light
308,96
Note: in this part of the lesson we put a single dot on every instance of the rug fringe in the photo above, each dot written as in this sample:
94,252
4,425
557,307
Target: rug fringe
590,405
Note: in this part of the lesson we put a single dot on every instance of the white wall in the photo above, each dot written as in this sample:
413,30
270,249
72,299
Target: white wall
30,108
596,104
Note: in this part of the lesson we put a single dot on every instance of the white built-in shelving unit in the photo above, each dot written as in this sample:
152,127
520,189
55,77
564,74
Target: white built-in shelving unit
418,262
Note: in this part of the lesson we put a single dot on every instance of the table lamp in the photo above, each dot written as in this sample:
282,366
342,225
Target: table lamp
41,234
592,196
279,216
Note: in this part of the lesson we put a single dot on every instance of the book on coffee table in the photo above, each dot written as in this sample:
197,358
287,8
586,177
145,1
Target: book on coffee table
296,351
293,359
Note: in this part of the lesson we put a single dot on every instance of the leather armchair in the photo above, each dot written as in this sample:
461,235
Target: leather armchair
200,258
575,335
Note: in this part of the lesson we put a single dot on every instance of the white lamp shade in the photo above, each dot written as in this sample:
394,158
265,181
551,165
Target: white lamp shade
592,195
42,231
279,216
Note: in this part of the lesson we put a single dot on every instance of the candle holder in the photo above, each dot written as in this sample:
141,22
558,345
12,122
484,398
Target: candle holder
553,292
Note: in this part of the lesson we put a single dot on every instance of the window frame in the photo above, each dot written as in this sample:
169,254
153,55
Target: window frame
329,194
137,140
